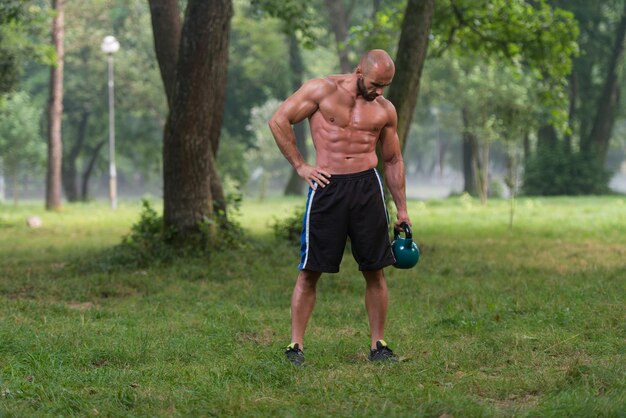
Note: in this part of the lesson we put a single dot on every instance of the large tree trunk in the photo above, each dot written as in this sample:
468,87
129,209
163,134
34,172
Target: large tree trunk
295,185
196,113
55,113
69,170
166,28
338,17
607,106
410,58
84,193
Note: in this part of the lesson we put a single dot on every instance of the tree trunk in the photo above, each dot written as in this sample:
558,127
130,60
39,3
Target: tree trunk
442,147
84,194
526,146
375,8
605,116
412,49
166,25
195,115
469,181
480,163
68,169
16,187
3,190
485,172
338,18
295,185
573,98
55,113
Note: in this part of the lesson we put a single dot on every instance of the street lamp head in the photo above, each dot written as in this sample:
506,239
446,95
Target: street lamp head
110,45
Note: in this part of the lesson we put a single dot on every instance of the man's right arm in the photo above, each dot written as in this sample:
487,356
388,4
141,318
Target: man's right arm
299,106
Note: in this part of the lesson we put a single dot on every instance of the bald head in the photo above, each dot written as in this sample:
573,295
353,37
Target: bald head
377,60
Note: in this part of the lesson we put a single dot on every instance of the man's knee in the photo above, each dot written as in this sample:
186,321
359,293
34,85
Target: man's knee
374,277
308,278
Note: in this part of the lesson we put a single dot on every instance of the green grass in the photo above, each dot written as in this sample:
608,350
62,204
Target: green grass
492,322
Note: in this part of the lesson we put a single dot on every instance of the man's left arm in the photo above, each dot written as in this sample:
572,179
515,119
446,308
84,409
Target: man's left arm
394,166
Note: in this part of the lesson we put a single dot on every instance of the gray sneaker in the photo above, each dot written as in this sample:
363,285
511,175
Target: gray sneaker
294,354
382,353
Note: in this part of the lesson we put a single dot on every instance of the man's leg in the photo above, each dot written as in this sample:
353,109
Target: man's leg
376,303
302,303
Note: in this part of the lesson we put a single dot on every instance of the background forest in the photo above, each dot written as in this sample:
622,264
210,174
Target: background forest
513,94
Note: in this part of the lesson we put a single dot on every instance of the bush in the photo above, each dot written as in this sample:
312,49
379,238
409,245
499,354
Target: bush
289,228
559,171
151,243
147,242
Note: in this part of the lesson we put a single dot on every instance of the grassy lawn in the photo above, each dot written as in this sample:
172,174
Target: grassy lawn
492,322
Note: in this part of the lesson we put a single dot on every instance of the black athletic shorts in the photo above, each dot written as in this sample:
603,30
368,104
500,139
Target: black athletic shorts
351,205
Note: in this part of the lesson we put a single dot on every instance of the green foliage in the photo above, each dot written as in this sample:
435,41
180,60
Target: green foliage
258,68
150,242
147,243
289,228
21,144
597,22
559,171
23,28
382,31
297,17
233,169
533,34
140,102
264,157
500,99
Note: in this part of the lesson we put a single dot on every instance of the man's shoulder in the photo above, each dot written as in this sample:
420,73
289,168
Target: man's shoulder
386,104
322,85
389,108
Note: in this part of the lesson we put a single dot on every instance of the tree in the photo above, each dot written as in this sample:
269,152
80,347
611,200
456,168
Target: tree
194,74
22,27
295,184
55,112
412,48
297,17
21,145
602,128
533,34
573,161
269,164
139,102
339,20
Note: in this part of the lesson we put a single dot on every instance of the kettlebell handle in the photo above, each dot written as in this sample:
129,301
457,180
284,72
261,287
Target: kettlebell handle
407,231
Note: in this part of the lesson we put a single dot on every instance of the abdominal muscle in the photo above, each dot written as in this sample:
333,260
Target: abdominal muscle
343,150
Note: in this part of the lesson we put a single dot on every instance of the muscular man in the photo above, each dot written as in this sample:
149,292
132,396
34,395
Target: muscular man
348,116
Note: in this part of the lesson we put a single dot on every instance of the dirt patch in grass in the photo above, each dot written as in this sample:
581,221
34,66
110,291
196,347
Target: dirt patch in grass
571,257
80,306
514,401
264,337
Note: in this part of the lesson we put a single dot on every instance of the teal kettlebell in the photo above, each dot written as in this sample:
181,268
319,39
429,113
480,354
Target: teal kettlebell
404,249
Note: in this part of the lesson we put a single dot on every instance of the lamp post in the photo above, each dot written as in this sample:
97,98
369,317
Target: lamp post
110,46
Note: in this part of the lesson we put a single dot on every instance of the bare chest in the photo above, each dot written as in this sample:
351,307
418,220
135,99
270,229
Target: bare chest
342,112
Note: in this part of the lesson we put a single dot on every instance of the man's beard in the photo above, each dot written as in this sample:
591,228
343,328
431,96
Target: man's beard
363,91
